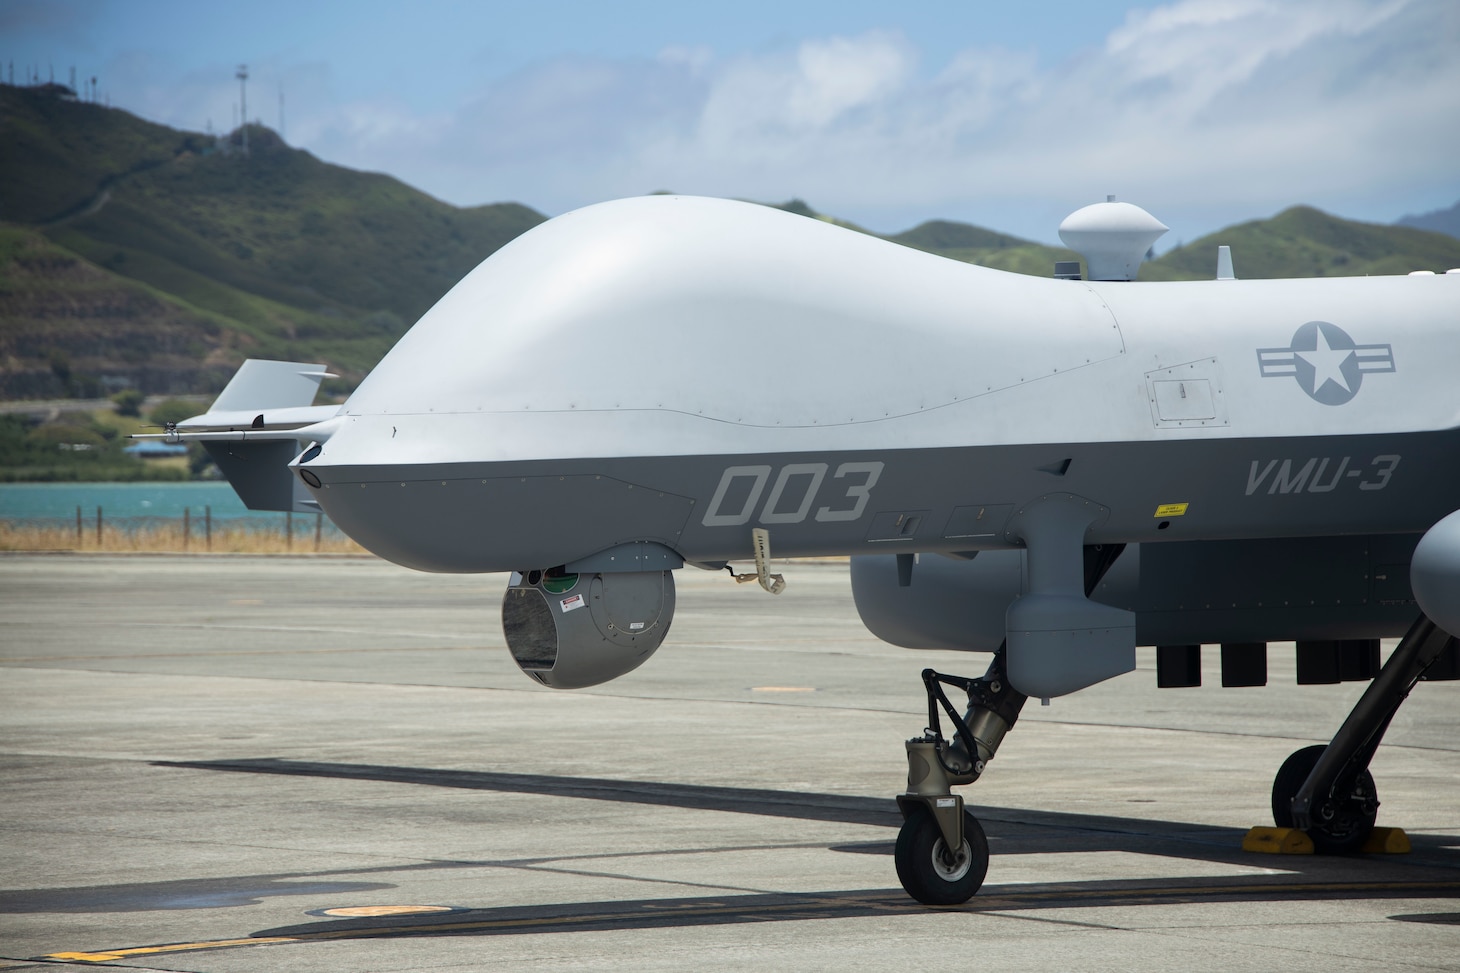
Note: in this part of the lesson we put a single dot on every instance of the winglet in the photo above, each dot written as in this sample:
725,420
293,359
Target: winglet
260,384
257,426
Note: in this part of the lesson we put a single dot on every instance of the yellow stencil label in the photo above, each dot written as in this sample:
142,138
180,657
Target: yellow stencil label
1171,510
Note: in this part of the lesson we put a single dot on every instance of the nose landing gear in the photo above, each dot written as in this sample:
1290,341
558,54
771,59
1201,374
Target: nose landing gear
929,871
942,854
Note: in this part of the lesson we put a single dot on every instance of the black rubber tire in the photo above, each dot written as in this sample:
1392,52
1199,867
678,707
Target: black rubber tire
922,864
1347,828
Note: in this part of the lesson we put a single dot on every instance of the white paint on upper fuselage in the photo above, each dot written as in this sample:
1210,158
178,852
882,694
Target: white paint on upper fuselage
1409,323
679,325
732,312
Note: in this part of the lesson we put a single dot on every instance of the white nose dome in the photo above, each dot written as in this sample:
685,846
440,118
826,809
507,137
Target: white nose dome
1112,237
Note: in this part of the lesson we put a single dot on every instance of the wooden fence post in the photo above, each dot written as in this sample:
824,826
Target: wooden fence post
187,525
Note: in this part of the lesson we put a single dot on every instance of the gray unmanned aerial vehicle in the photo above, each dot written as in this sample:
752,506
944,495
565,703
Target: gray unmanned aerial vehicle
1050,470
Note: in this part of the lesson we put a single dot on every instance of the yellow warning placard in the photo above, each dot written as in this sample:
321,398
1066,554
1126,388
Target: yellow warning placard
1171,510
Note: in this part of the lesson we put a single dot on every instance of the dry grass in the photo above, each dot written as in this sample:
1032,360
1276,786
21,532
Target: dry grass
168,538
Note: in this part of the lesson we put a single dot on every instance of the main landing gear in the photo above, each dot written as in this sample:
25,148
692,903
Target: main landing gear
942,854
1328,792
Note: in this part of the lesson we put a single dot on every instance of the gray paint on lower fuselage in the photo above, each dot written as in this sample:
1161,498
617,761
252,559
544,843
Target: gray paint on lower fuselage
504,516
1182,593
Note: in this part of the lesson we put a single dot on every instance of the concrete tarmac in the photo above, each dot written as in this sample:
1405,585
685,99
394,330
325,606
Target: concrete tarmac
247,763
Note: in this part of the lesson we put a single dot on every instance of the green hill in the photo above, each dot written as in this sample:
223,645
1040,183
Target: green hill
799,207
939,236
270,253
1298,242
1305,242
975,245
136,255
66,323
960,241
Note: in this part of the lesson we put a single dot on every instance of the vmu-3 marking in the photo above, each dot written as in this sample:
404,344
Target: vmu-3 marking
1313,476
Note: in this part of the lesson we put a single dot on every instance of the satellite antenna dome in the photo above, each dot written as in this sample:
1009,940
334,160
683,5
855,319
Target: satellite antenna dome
1112,237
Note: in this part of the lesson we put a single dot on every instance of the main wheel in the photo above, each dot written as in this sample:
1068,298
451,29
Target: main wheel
929,871
1341,826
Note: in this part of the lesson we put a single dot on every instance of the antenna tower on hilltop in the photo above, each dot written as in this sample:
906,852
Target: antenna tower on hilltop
242,77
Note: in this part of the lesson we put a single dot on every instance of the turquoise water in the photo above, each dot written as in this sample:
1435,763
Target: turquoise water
49,501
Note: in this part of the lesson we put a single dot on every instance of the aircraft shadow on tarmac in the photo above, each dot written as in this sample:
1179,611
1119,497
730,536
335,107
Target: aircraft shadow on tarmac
201,893
789,907
1010,830
1013,830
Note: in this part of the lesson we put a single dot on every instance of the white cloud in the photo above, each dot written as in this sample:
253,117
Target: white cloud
766,112
842,74
696,58
1200,106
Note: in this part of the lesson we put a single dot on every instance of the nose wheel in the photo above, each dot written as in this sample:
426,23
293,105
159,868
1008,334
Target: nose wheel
930,871
942,854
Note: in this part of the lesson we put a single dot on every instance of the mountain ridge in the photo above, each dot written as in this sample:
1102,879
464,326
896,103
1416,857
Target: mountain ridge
136,255
1446,221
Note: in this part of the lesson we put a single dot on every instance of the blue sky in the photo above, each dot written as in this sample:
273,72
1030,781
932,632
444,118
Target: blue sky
1206,112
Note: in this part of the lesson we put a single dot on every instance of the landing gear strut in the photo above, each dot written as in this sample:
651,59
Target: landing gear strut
942,854
1328,791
